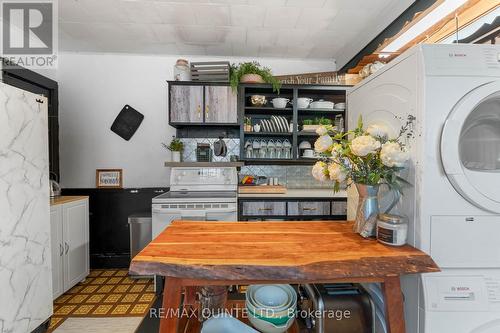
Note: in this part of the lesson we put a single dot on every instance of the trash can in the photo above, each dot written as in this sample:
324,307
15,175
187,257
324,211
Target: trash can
140,226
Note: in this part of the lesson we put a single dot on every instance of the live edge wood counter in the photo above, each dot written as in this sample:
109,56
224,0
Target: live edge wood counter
191,253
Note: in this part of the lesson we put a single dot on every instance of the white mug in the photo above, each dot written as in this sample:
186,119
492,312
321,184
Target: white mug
308,153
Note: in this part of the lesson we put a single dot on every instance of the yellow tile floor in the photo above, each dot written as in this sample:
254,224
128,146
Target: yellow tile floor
105,293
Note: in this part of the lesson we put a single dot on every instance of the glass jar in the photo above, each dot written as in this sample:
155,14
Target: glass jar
212,301
392,229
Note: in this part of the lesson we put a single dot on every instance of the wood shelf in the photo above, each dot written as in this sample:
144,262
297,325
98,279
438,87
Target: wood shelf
321,110
193,325
279,161
307,133
266,108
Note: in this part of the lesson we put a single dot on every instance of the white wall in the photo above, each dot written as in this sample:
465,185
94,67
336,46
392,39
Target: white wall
93,88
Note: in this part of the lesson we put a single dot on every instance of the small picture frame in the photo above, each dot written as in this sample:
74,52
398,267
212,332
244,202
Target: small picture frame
109,178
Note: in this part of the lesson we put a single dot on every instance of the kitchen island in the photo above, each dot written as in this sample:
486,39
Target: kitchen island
226,253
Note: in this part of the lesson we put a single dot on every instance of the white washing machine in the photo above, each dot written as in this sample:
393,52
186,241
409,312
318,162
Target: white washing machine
453,91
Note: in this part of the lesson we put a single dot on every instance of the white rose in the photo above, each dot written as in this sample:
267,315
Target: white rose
336,150
337,172
392,155
322,130
323,143
364,145
378,131
318,171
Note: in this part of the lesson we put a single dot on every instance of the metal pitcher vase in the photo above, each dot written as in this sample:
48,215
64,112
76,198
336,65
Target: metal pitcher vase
368,208
367,205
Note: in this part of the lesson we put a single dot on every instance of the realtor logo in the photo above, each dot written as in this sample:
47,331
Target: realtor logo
29,36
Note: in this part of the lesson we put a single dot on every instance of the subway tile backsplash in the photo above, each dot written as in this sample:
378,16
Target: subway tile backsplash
293,176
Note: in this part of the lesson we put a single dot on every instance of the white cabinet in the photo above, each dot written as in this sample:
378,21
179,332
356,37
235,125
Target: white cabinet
56,243
70,244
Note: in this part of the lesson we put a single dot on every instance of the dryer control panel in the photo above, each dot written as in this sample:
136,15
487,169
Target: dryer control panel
462,60
452,293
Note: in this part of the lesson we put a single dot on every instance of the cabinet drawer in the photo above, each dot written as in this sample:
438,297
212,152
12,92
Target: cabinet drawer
263,208
339,208
298,208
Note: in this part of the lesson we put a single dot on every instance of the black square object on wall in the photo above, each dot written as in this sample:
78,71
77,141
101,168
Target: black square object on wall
127,122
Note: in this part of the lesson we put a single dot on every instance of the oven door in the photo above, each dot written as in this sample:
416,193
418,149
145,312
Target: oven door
164,214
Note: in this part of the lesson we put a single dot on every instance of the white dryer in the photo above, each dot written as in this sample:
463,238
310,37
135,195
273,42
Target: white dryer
453,91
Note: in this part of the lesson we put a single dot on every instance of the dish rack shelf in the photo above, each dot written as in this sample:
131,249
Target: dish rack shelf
252,114
267,134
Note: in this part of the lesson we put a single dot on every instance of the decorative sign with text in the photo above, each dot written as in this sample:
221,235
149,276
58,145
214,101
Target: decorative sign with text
109,178
332,78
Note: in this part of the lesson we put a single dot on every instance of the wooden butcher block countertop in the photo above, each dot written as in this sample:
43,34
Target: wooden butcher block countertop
274,251
63,199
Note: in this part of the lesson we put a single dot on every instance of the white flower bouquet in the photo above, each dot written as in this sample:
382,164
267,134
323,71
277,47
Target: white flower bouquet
366,157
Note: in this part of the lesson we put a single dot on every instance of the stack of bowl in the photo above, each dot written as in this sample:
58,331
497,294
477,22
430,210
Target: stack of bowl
271,308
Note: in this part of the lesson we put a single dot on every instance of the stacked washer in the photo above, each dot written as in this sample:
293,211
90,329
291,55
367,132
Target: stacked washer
453,91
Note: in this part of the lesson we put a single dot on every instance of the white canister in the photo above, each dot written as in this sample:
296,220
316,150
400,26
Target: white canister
392,229
182,72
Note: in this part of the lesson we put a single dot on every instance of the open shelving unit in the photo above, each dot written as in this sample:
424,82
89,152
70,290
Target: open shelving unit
335,94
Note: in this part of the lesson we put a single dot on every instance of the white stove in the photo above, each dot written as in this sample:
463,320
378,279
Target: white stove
198,194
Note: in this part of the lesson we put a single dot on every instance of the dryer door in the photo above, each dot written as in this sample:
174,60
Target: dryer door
470,147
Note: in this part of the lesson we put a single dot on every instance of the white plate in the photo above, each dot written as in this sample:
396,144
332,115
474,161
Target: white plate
262,126
273,125
282,124
286,124
279,122
269,125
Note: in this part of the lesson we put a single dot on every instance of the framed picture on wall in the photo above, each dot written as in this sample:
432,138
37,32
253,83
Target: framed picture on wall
109,178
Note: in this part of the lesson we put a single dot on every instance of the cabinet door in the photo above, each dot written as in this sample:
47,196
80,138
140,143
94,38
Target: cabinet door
186,104
76,242
220,105
57,250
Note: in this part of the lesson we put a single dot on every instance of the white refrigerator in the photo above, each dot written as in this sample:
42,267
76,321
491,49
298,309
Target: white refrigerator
25,256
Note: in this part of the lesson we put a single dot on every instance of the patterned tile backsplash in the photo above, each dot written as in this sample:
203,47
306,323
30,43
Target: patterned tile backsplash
290,176
293,176
189,153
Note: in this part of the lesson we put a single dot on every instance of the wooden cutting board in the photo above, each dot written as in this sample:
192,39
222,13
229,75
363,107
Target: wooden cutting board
265,189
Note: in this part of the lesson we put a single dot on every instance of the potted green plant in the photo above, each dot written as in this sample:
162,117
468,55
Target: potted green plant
323,121
176,146
308,125
252,72
247,124
311,125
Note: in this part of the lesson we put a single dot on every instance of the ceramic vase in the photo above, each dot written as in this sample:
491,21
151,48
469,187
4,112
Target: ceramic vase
176,156
367,210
